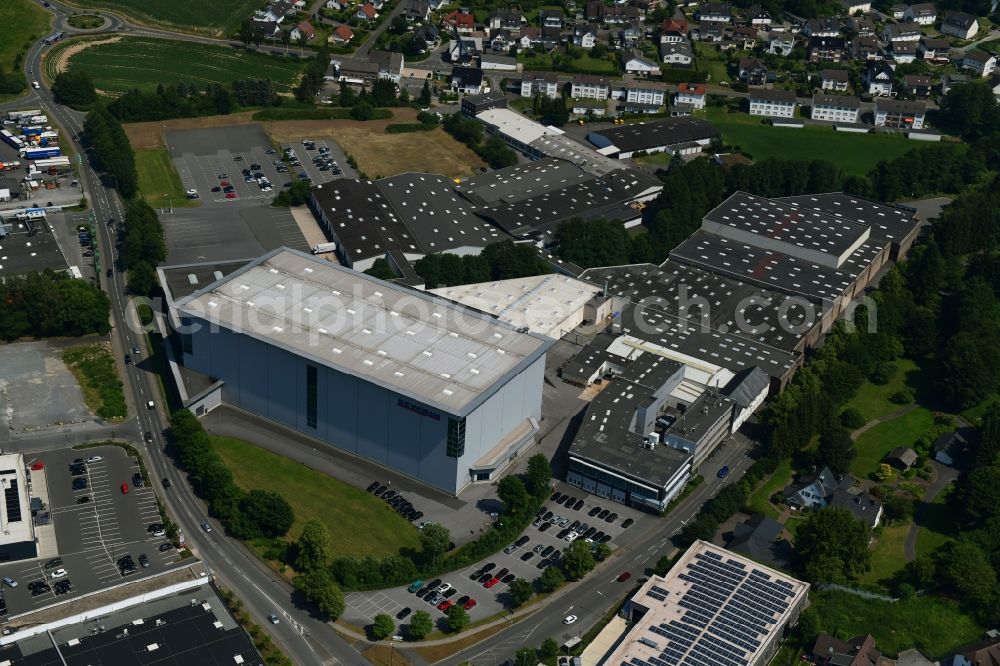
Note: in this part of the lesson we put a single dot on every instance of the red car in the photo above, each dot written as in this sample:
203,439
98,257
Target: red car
225,183
124,489
624,577
491,582
444,605
469,605
231,195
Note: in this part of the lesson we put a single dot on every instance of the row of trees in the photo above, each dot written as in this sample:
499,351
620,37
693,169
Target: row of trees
111,151
245,515
74,88
493,150
50,304
499,261
313,77
144,246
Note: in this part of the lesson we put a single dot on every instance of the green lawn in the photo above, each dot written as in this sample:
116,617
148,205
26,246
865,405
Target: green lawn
158,180
854,153
759,501
708,59
931,624
359,523
873,401
538,61
975,414
593,65
24,22
875,443
887,555
221,17
937,523
140,62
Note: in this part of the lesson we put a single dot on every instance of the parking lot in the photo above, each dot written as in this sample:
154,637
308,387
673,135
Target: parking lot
525,561
92,535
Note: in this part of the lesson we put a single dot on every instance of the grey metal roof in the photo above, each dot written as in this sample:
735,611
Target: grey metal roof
23,252
838,101
667,132
364,223
888,222
770,95
522,181
744,388
441,354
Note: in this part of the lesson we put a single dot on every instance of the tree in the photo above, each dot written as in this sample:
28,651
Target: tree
551,579
296,195
141,278
836,450
434,541
313,546
662,565
362,110
920,572
74,88
318,588
496,153
809,626
897,508
549,649
979,495
456,618
577,561
269,512
832,545
970,110
963,566
382,627
520,591
420,625
601,552
425,95
539,476
246,32
384,92
347,96
525,657
381,270
593,242
512,493
885,473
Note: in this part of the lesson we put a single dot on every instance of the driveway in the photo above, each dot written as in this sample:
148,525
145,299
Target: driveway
944,476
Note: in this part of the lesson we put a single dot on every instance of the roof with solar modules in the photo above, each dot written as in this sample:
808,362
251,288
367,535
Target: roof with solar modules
713,608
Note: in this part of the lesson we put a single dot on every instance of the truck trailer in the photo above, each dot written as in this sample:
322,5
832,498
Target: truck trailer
10,139
324,248
17,115
40,153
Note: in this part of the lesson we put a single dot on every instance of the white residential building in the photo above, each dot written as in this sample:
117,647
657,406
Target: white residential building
959,24
980,62
545,84
878,79
772,103
677,53
590,87
637,64
836,108
653,94
923,13
692,94
899,114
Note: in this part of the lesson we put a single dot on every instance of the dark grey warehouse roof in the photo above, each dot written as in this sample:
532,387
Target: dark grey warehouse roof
839,101
667,132
888,222
522,181
23,252
362,219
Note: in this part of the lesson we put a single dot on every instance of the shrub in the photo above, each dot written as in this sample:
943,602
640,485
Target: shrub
902,397
851,418
883,373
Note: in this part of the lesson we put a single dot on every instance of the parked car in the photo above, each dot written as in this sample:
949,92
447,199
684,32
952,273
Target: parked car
402,615
724,472
628,523
625,575
569,619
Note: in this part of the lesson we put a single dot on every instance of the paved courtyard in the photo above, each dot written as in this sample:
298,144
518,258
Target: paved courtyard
37,390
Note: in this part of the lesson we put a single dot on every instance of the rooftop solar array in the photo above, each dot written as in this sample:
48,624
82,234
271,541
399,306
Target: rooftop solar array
408,341
714,608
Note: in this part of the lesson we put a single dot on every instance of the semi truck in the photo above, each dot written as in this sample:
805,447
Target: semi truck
11,140
9,166
324,248
56,164
17,115
40,153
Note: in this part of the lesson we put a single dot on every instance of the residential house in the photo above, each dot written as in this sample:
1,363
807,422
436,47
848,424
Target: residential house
904,52
862,506
713,33
278,11
630,36
780,44
864,49
337,5
545,84
634,63
506,19
858,651
467,80
836,108
416,11
918,86
901,32
949,81
759,17
463,51
934,49
303,29
833,79
585,86
861,26
901,457
951,447
460,21
691,94
897,11
677,53
621,14
981,653
594,10
811,491
899,114
551,37
759,539
772,103
588,107
497,63
878,79
923,13
644,95
270,30
551,18
745,37
715,12
979,62
821,27
959,24
366,12
530,37
427,32
585,36
643,6
753,72
341,35
826,49
673,30
501,40
852,7
378,65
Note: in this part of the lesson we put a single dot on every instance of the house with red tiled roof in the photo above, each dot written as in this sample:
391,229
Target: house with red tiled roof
692,94
464,23
303,29
341,35
367,12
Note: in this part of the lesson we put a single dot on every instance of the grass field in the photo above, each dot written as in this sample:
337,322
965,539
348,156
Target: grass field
937,523
887,556
932,625
85,21
873,401
139,62
359,523
854,153
97,375
759,501
221,17
874,444
23,21
594,65
158,180
975,414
